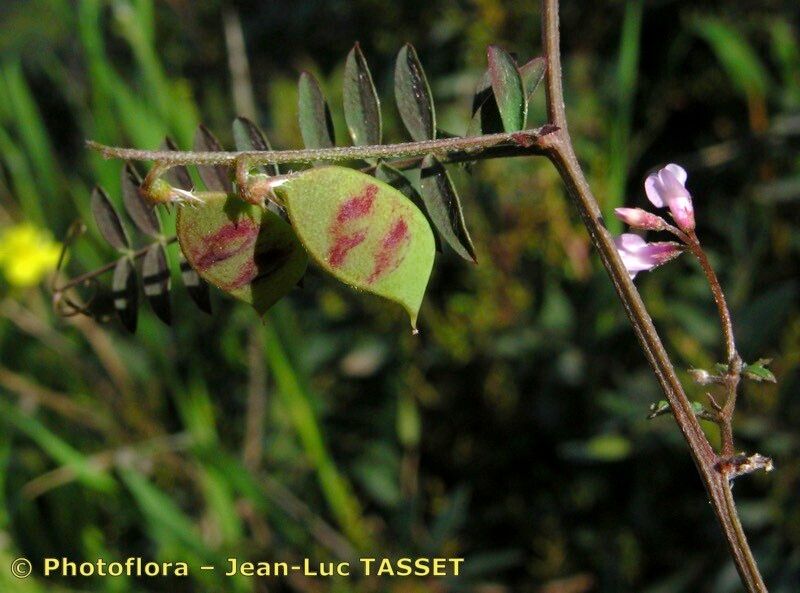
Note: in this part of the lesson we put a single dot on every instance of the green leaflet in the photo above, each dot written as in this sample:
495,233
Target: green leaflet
362,108
486,117
485,113
215,177
316,125
125,291
248,252
108,221
508,89
156,281
532,74
413,95
758,371
444,207
362,231
248,137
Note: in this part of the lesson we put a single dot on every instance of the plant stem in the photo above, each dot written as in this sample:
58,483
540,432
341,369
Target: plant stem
719,297
560,151
518,144
733,376
463,147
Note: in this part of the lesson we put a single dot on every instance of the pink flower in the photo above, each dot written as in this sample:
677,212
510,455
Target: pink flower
639,256
666,187
640,219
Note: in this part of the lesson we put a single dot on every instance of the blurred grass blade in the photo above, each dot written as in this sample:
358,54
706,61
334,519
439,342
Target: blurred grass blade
444,207
126,293
215,177
222,505
621,130
507,88
336,489
532,74
177,176
362,108
117,111
316,124
143,214
744,68
22,178
197,288
785,49
156,281
413,95
55,447
135,21
249,137
108,221
737,56
169,524
26,115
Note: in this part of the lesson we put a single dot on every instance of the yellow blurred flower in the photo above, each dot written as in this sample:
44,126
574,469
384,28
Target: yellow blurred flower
27,254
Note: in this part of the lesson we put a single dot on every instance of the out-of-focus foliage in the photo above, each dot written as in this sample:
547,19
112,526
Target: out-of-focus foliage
512,431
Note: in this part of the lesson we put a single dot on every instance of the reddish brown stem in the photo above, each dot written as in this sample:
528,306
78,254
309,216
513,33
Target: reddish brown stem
733,375
561,153
719,297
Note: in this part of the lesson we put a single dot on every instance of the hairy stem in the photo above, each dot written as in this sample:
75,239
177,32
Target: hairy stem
523,144
559,148
470,146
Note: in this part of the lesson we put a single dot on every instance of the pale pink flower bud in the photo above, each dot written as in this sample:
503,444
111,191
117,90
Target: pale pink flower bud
640,219
666,187
639,256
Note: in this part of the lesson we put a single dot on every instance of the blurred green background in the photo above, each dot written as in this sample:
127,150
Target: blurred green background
512,431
